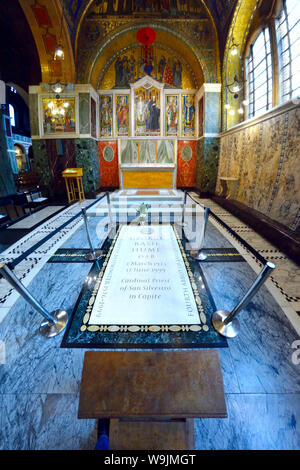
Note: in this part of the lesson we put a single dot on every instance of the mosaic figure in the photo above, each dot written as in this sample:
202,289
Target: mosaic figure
106,115
188,114
122,114
171,114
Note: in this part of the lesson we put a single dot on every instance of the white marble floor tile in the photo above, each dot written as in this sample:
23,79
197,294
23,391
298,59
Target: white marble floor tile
36,217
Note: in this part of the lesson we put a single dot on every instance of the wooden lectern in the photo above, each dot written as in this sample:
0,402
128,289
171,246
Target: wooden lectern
152,396
73,180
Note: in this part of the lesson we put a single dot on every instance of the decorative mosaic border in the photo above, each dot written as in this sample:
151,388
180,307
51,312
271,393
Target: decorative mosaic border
138,328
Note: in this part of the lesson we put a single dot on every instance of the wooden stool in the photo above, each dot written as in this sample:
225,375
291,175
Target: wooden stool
72,176
151,397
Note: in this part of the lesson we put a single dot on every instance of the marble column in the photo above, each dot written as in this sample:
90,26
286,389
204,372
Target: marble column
208,145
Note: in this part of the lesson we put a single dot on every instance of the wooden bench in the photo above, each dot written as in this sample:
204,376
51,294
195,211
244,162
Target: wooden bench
151,397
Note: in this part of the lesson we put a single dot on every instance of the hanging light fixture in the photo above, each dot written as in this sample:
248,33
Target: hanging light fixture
59,53
238,83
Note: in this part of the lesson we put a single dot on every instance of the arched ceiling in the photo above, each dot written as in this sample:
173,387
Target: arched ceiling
195,29
187,27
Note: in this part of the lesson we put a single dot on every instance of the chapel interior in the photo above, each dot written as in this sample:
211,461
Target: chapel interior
120,121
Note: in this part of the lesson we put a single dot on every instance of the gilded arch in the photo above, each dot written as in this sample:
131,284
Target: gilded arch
45,19
195,38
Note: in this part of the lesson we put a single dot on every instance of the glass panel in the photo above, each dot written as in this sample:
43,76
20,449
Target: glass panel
295,35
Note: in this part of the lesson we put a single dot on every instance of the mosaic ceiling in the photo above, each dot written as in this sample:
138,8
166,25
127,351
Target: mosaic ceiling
221,10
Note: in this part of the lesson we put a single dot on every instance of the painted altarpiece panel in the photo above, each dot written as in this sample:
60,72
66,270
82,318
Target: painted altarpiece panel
171,124
147,111
188,115
106,115
122,115
58,115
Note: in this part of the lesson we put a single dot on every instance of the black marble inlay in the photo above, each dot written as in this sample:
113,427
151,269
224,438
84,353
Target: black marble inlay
77,334
70,255
221,255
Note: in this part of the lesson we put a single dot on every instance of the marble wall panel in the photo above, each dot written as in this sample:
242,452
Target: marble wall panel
84,113
109,168
268,164
286,202
224,156
186,163
34,115
7,185
248,170
61,155
40,162
87,158
265,157
207,164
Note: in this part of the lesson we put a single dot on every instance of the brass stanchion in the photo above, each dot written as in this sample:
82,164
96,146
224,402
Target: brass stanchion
224,322
199,255
94,254
183,223
111,224
55,321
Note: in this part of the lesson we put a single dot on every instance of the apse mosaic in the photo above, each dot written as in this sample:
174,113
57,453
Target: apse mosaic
158,62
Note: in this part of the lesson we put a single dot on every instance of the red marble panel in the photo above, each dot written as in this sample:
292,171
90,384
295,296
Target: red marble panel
186,163
109,168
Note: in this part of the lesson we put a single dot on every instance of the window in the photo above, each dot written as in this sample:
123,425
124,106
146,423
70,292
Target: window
288,43
12,115
259,75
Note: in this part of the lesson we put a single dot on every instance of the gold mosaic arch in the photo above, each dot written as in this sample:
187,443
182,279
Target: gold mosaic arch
44,19
126,39
106,80
210,16
238,31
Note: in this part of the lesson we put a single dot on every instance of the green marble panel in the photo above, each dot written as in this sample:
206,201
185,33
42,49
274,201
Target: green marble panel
87,158
207,164
7,185
40,162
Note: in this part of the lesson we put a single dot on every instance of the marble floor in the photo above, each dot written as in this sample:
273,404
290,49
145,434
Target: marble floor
39,381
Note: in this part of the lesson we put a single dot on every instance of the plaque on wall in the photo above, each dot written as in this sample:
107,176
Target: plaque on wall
108,153
186,153
106,116
188,115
